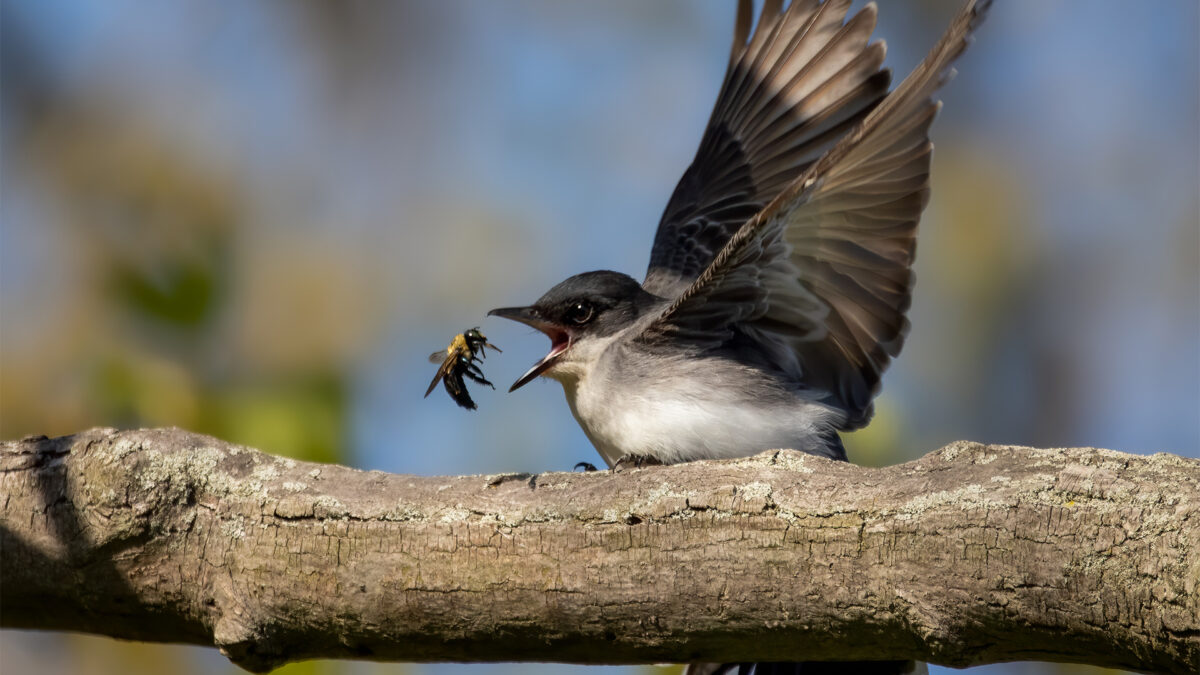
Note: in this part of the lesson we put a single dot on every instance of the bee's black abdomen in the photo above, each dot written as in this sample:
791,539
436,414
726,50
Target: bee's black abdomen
463,356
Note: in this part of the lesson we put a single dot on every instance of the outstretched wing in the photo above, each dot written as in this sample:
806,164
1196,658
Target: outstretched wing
821,278
791,90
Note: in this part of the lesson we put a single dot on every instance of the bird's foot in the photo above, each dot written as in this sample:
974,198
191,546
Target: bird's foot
635,461
587,467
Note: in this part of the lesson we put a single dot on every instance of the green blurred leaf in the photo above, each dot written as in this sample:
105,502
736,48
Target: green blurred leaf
182,294
304,416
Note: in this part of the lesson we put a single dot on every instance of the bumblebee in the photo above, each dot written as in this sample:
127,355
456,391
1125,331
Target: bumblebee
461,359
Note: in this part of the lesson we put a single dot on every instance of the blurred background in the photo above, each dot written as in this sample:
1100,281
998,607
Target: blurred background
257,219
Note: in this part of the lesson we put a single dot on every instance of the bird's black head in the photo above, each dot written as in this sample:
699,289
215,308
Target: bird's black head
596,303
585,307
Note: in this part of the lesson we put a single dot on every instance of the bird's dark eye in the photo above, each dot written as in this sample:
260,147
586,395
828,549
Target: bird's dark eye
581,313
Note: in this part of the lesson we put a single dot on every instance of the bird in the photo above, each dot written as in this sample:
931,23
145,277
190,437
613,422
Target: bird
781,271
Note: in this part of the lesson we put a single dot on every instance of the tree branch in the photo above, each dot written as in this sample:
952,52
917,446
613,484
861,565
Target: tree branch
973,554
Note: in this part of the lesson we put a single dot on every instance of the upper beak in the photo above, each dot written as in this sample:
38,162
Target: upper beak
525,315
560,339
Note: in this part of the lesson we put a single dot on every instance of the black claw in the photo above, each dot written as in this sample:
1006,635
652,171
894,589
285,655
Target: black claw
637,461
587,466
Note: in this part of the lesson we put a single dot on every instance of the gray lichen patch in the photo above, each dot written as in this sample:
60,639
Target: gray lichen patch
234,527
970,496
969,450
755,497
793,460
117,449
159,479
266,471
402,511
1168,461
157,470
662,501
326,506
453,514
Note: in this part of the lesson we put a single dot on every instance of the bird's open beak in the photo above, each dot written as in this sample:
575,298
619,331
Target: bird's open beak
560,339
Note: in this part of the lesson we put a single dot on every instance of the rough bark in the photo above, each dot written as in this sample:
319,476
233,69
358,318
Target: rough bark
972,554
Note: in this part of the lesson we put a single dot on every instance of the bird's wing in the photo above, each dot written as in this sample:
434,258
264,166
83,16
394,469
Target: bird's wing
791,90
821,278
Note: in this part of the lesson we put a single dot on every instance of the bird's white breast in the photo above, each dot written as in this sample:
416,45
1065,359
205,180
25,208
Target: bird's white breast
676,417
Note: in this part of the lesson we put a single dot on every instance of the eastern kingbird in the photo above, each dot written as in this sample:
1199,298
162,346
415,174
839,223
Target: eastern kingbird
782,267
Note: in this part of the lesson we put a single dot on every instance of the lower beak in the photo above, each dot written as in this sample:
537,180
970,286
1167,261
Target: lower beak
559,339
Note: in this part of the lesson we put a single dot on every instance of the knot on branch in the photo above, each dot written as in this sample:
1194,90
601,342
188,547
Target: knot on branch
244,644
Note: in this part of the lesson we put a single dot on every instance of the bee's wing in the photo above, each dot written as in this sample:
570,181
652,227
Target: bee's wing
438,357
441,371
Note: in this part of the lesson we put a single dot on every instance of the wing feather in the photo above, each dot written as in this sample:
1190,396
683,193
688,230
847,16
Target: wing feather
798,82
822,277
